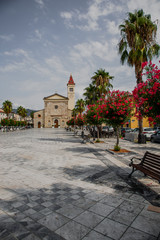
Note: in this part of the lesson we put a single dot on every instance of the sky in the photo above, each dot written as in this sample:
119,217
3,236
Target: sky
42,42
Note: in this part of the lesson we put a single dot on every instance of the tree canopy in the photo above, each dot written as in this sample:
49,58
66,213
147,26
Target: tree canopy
7,107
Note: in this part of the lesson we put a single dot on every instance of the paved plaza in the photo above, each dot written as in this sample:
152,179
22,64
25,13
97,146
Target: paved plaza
54,187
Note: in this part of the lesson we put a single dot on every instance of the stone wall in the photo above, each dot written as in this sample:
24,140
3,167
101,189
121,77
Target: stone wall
39,119
56,113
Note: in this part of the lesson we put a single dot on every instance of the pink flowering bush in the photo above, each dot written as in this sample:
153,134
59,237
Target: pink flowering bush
116,109
93,118
70,122
80,120
92,115
147,94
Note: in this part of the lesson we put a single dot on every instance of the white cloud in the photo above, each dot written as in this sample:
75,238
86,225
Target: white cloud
55,64
97,10
53,21
38,34
112,27
66,15
13,67
17,52
7,37
40,3
88,50
22,61
89,20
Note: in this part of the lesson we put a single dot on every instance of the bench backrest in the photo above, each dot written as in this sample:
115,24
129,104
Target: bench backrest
151,161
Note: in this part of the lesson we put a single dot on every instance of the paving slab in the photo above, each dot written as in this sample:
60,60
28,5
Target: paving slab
54,187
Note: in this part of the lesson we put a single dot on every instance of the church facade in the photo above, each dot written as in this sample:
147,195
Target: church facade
57,109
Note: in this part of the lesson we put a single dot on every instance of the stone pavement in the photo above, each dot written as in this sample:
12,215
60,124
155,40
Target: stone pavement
54,187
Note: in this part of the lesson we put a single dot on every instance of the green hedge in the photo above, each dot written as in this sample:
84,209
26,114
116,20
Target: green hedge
11,122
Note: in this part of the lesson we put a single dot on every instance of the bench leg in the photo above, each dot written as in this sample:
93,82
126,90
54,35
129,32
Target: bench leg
133,170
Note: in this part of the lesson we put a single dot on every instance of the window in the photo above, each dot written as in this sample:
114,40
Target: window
56,106
71,89
39,115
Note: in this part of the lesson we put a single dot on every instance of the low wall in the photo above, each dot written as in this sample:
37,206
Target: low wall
133,137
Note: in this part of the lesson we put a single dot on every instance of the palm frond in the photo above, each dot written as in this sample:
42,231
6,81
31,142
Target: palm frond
124,56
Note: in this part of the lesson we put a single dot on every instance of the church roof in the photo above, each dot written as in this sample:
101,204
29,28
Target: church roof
71,81
55,96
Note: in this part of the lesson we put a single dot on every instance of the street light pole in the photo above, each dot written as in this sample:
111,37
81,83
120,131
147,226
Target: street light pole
94,125
74,124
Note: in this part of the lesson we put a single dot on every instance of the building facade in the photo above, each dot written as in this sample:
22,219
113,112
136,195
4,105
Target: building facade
57,109
2,114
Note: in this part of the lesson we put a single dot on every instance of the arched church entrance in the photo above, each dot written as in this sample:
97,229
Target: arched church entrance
39,124
56,123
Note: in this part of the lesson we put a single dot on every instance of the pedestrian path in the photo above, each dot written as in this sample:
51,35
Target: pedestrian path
122,160
54,187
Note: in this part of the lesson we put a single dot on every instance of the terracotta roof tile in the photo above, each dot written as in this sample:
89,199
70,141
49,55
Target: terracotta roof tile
71,81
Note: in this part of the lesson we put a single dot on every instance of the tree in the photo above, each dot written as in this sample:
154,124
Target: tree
147,94
7,107
80,120
92,117
91,94
102,81
32,115
99,87
138,44
80,106
22,111
116,109
74,112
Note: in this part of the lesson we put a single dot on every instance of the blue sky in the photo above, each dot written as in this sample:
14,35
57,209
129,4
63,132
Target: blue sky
42,42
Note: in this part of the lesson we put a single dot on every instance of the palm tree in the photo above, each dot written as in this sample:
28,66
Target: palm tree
7,107
74,112
80,106
102,81
90,94
22,111
138,44
32,115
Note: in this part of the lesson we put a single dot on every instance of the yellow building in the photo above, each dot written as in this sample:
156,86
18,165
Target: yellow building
133,122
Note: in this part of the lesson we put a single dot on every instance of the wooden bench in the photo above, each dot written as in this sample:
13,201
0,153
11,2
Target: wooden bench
149,165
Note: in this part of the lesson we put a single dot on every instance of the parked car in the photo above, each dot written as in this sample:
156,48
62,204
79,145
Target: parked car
155,137
107,131
135,130
148,133
125,130
156,129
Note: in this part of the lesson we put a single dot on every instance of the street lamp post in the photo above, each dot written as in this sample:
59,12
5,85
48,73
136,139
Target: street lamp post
74,124
94,125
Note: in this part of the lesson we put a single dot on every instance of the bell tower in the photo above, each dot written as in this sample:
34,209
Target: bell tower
71,93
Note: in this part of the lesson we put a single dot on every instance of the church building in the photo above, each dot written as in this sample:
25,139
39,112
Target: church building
57,109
